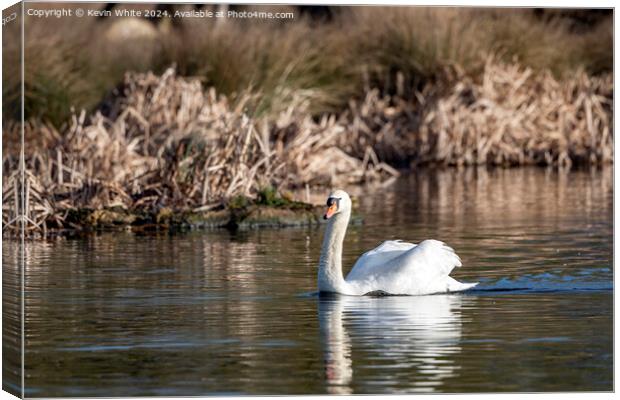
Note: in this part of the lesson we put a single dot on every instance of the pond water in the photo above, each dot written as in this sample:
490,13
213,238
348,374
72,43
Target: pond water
217,312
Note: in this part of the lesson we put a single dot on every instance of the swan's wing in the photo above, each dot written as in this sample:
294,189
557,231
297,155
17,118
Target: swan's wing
378,257
423,269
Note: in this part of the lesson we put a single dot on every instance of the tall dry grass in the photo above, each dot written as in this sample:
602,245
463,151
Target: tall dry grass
512,116
165,142
74,65
273,62
420,42
517,116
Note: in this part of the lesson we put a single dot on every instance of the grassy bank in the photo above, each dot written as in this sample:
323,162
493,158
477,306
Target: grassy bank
395,49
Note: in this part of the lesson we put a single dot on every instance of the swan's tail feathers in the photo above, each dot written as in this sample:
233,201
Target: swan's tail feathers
452,254
456,286
467,286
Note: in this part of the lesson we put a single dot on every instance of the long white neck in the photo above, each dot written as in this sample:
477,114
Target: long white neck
330,263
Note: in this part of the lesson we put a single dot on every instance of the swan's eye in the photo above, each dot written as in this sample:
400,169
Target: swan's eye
333,200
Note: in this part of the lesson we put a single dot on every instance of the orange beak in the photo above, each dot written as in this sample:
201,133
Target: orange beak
331,210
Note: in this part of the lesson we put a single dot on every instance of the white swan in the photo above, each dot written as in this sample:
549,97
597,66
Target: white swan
394,267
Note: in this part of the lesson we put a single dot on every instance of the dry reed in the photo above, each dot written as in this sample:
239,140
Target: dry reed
511,116
163,141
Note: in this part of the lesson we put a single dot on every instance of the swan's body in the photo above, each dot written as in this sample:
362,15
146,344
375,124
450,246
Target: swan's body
394,267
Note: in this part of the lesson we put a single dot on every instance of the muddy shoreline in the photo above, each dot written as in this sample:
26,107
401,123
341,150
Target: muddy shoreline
86,221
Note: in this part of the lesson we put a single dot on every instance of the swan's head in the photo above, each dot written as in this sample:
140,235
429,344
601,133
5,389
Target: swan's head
338,201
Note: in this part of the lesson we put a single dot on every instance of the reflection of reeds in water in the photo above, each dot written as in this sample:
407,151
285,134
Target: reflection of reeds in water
12,337
201,290
514,195
466,197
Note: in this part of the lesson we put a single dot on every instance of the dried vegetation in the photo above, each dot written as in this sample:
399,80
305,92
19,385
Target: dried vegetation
297,106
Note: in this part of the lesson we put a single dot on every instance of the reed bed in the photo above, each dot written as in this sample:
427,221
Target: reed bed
166,142
511,115
163,141
516,116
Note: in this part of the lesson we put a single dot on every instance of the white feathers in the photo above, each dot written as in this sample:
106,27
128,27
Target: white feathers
405,268
394,267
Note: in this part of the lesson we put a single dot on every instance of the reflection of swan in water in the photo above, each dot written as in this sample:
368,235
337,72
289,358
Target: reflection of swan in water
394,267
337,346
415,335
